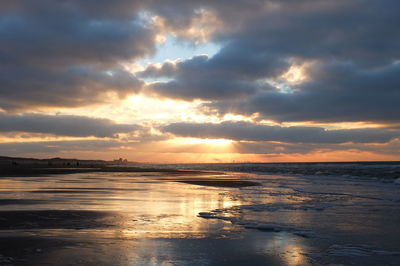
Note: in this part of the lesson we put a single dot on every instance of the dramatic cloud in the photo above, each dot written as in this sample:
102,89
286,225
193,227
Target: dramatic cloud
280,60
335,92
71,39
63,125
242,131
260,40
198,79
352,48
74,86
65,54
50,147
56,53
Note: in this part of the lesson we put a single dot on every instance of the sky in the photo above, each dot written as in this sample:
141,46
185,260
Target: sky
167,81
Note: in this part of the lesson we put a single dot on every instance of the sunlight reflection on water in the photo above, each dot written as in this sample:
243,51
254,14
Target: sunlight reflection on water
141,211
153,218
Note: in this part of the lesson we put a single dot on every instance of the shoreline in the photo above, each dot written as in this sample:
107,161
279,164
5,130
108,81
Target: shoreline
202,179
25,170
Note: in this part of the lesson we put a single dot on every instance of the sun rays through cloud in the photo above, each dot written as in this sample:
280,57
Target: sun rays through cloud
288,80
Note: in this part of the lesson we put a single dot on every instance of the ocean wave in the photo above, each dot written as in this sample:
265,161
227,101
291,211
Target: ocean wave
371,170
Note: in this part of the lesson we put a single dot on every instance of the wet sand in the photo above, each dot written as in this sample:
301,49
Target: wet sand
55,219
92,217
32,170
221,183
195,218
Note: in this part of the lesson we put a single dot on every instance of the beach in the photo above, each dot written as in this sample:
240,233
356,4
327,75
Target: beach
179,217
222,133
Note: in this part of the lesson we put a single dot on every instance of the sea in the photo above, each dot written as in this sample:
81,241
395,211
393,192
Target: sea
290,214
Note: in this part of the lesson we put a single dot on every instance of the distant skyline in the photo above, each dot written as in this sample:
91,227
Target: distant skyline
201,81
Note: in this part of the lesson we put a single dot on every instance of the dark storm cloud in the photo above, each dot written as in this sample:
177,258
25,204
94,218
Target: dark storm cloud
200,78
207,89
354,46
100,9
64,39
167,69
336,92
63,125
65,53
243,131
363,31
73,86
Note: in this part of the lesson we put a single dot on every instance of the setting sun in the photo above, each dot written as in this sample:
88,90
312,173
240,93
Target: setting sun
149,82
199,133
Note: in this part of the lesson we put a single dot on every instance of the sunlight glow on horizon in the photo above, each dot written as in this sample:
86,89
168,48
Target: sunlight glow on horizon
151,81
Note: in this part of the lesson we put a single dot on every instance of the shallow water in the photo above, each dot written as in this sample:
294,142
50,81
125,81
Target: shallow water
151,219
